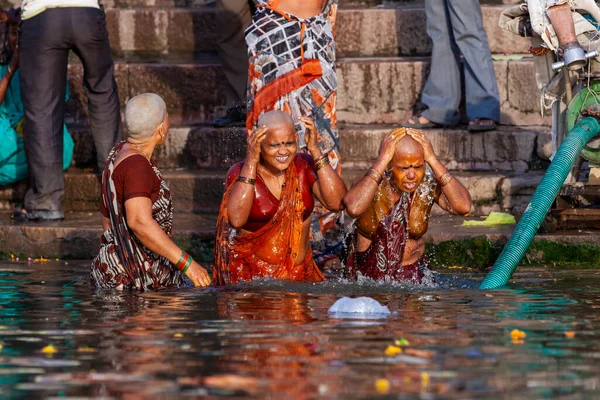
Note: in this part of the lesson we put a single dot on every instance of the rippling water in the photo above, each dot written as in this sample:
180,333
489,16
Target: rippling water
62,339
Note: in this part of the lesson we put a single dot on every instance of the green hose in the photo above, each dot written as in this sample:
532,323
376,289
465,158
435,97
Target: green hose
540,203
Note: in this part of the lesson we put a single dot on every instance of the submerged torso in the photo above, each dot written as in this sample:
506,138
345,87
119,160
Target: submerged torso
385,200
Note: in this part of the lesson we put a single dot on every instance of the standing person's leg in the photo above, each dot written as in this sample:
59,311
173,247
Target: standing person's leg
91,44
233,17
481,89
442,91
44,51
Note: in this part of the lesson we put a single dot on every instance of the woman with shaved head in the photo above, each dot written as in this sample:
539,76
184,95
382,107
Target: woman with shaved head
264,221
392,204
137,212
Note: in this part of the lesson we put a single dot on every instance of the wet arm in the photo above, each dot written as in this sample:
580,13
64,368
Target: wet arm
241,198
329,189
454,198
360,196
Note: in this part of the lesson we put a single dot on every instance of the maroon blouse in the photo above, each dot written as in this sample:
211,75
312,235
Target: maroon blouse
134,177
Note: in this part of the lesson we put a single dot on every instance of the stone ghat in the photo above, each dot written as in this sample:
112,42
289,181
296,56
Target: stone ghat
370,90
371,32
448,243
500,168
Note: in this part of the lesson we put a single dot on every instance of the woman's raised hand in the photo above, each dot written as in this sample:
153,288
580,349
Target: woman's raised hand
198,275
253,145
388,145
311,136
428,153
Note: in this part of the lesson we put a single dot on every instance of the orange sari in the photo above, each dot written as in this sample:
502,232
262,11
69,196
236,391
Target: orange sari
272,250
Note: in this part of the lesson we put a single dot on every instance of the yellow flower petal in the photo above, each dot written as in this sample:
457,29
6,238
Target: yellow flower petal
49,349
382,386
392,351
517,334
178,335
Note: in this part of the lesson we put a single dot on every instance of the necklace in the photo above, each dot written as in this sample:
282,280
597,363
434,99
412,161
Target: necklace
139,148
269,174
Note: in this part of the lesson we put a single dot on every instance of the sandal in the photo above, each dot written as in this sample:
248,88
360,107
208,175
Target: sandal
416,124
481,125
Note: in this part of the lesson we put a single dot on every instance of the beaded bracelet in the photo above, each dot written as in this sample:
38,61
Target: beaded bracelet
249,181
373,174
323,162
445,179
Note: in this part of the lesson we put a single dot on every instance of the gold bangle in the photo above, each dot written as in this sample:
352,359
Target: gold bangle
323,156
323,162
373,174
445,179
243,179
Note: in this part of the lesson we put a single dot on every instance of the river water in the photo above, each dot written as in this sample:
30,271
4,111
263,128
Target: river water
540,338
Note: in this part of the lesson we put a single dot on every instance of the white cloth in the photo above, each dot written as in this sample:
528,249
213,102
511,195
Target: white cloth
31,8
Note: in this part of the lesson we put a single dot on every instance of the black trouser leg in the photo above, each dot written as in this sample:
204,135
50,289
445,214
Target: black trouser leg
44,50
90,43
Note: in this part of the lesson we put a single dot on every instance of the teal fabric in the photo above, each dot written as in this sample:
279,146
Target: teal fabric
13,162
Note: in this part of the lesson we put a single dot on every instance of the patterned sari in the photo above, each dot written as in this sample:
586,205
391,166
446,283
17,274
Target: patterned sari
271,251
383,258
123,261
292,68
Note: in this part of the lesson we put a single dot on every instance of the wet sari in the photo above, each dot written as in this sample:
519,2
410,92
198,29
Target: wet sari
123,262
382,260
292,69
270,251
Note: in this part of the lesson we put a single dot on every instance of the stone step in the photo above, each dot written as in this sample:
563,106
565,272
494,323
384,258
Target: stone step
201,190
370,90
199,147
375,32
448,243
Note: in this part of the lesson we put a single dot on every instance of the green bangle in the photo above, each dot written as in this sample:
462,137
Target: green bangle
180,259
187,265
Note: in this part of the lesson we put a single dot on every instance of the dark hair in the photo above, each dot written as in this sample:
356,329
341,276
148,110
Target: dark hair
14,18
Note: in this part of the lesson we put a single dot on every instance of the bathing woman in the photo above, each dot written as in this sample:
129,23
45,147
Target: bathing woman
137,251
264,221
392,204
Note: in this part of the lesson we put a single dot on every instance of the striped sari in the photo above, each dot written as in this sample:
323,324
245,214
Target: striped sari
123,261
292,69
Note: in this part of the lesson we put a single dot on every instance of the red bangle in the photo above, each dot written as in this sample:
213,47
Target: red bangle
184,260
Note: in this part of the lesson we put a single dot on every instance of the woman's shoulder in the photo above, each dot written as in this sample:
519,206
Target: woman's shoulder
235,169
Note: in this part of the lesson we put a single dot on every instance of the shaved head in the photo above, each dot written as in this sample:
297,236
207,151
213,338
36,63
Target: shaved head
276,119
407,147
143,114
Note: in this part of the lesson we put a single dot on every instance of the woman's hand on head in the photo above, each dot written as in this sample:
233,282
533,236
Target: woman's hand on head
311,136
428,153
253,145
198,275
388,145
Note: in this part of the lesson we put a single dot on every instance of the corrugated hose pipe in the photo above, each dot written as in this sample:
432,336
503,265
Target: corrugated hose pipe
540,203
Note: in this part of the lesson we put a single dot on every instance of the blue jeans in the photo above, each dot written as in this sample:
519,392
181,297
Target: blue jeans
456,27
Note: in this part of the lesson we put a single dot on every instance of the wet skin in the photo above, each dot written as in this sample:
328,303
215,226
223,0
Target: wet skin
407,172
302,9
277,152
